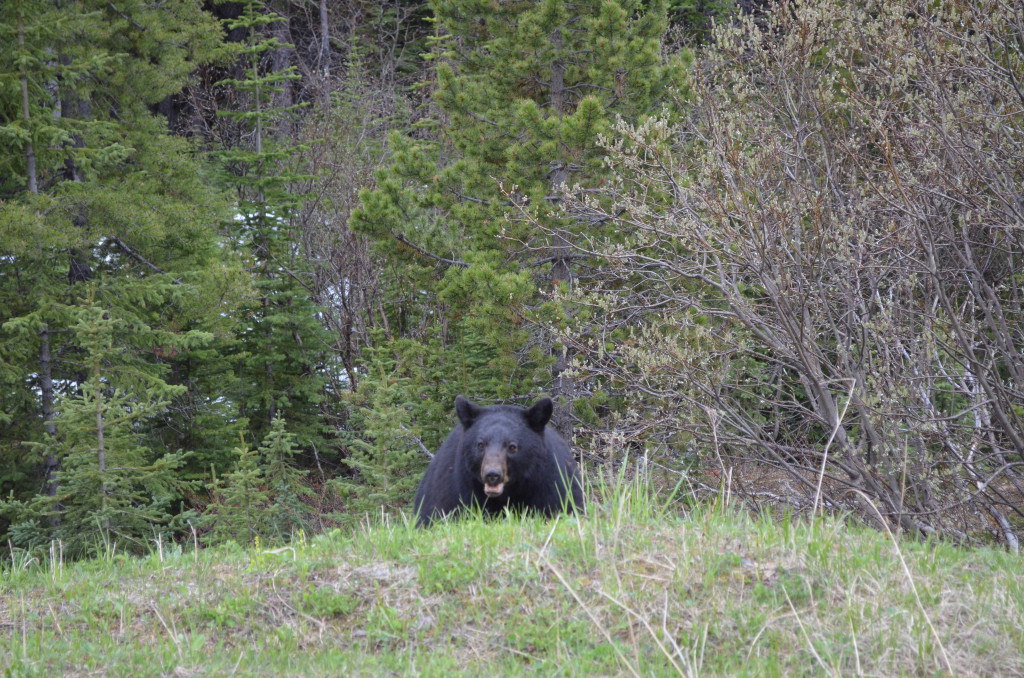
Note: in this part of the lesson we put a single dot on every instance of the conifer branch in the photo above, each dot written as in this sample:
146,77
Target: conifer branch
127,18
451,262
123,246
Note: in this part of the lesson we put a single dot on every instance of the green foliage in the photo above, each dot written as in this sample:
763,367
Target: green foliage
27,27
264,498
112,487
235,512
256,170
108,252
286,513
386,451
468,213
282,348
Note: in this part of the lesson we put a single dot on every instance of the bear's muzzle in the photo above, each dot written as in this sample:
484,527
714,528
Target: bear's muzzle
494,472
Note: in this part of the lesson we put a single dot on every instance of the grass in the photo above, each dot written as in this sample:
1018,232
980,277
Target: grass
635,588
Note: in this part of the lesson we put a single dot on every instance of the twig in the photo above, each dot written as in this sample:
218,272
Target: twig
832,436
1007,529
430,455
127,18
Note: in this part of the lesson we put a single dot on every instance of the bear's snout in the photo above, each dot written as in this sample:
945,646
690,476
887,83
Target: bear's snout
494,473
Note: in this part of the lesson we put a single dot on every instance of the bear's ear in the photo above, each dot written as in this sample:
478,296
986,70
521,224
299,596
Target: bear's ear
539,415
467,411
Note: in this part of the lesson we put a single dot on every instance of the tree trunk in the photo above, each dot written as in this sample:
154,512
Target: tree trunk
52,464
30,149
324,60
101,454
281,58
562,389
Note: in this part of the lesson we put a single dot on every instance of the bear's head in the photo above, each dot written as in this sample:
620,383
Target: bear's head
502,443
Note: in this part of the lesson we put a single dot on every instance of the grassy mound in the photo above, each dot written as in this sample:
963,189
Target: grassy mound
629,590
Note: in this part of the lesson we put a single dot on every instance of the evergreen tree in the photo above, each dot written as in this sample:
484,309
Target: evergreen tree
104,219
111,487
388,446
283,354
286,513
238,501
264,496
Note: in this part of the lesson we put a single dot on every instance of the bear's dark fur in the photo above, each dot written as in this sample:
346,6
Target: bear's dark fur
497,457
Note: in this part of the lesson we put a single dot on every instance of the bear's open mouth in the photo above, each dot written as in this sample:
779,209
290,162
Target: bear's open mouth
494,490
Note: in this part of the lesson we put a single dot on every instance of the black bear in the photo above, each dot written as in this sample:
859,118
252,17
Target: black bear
497,457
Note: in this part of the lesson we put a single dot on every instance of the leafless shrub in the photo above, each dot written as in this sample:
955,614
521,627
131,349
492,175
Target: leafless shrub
820,268
360,97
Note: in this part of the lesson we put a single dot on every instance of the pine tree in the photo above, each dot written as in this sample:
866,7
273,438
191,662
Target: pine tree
468,212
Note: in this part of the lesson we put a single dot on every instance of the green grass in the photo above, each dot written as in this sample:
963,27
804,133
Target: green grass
631,589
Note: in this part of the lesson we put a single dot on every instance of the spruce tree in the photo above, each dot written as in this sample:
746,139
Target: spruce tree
237,508
387,445
105,221
282,349
111,487
264,496
287,511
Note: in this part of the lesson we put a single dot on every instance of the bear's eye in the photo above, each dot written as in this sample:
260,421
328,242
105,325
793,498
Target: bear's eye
481,445
512,448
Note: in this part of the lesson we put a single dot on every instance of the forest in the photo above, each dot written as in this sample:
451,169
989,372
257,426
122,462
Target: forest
251,252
